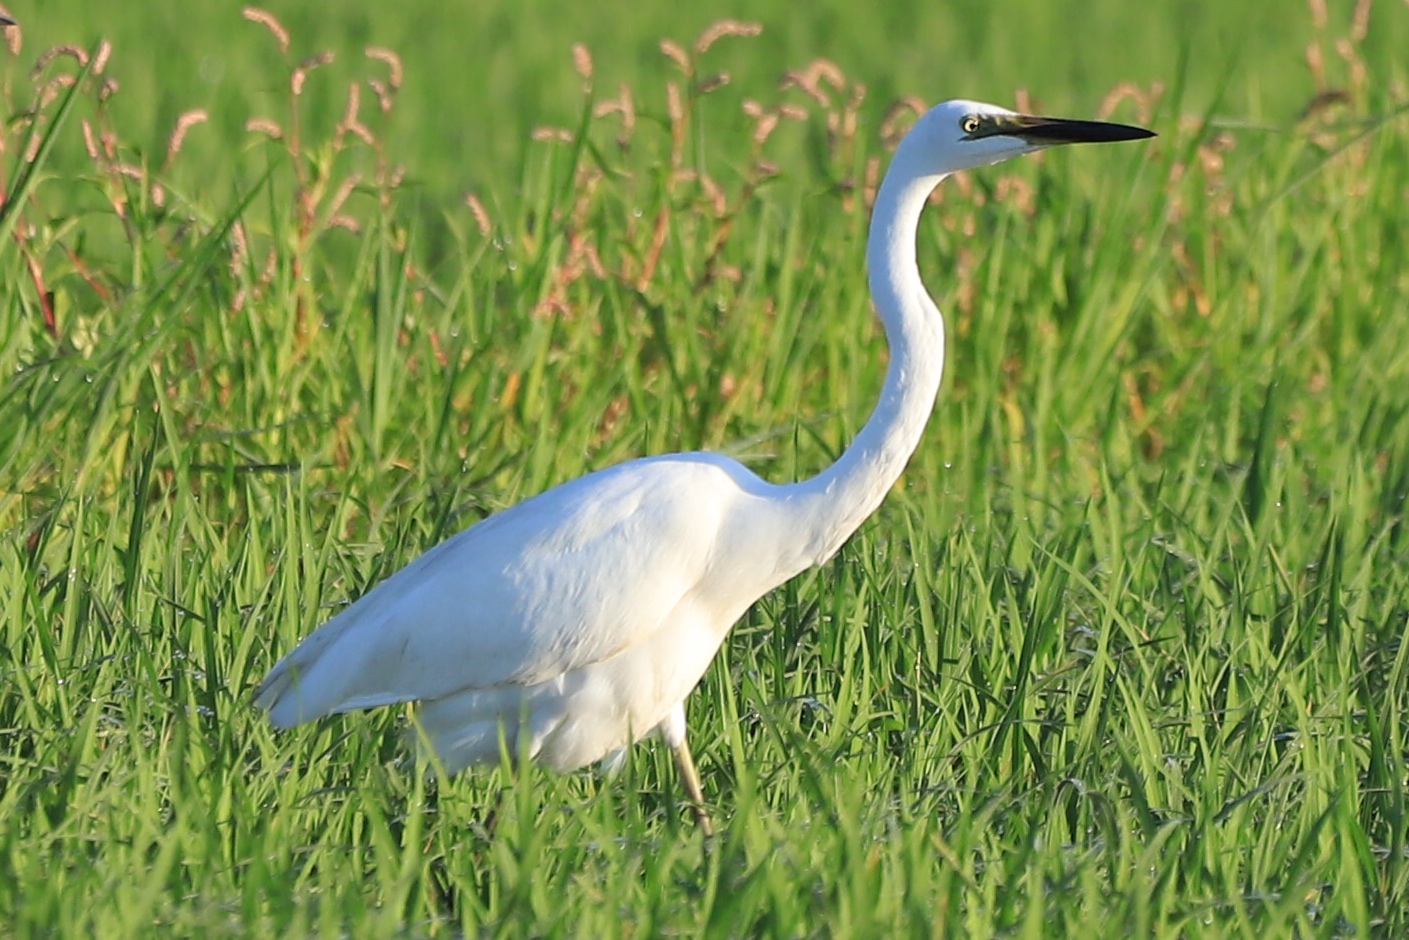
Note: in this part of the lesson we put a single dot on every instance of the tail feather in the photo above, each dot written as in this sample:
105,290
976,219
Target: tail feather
312,680
278,695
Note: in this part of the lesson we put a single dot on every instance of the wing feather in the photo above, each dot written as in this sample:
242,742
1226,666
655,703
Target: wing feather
568,578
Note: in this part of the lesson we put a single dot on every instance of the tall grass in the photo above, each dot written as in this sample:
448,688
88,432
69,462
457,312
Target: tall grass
1122,656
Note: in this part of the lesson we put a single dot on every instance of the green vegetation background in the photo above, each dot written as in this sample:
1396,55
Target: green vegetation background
1122,655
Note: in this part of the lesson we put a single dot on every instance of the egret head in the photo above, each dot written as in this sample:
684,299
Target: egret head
960,135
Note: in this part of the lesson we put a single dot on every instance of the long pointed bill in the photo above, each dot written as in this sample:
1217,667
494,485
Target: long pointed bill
1049,131
6,21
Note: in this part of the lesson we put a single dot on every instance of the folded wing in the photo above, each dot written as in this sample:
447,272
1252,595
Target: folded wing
568,578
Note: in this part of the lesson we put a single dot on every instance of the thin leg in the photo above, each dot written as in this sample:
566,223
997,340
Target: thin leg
690,779
672,730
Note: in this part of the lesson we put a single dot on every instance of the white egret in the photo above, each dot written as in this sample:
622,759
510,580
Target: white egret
584,616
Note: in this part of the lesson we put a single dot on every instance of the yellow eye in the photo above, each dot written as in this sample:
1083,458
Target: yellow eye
971,124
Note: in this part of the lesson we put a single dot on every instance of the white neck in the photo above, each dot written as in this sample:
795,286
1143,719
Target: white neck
833,504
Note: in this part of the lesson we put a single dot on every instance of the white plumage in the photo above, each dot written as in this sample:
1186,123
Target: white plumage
584,616
553,604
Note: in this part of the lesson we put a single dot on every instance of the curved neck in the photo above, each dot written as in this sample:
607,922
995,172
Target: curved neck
834,503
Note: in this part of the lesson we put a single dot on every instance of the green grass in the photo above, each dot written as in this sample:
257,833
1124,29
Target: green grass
1122,656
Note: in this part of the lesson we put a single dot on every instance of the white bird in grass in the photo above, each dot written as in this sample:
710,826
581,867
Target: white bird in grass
570,625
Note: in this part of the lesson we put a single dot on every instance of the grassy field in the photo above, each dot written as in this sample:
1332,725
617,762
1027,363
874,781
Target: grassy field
1122,655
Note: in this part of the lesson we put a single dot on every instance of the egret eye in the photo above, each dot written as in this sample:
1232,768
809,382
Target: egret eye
970,124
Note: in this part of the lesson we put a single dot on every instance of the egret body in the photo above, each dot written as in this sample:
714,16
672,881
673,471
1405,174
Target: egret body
583,617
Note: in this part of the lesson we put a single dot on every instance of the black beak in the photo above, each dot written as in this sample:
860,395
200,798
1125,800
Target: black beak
6,21
1060,130
1048,130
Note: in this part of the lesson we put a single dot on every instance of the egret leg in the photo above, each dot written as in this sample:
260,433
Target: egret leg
672,729
690,780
